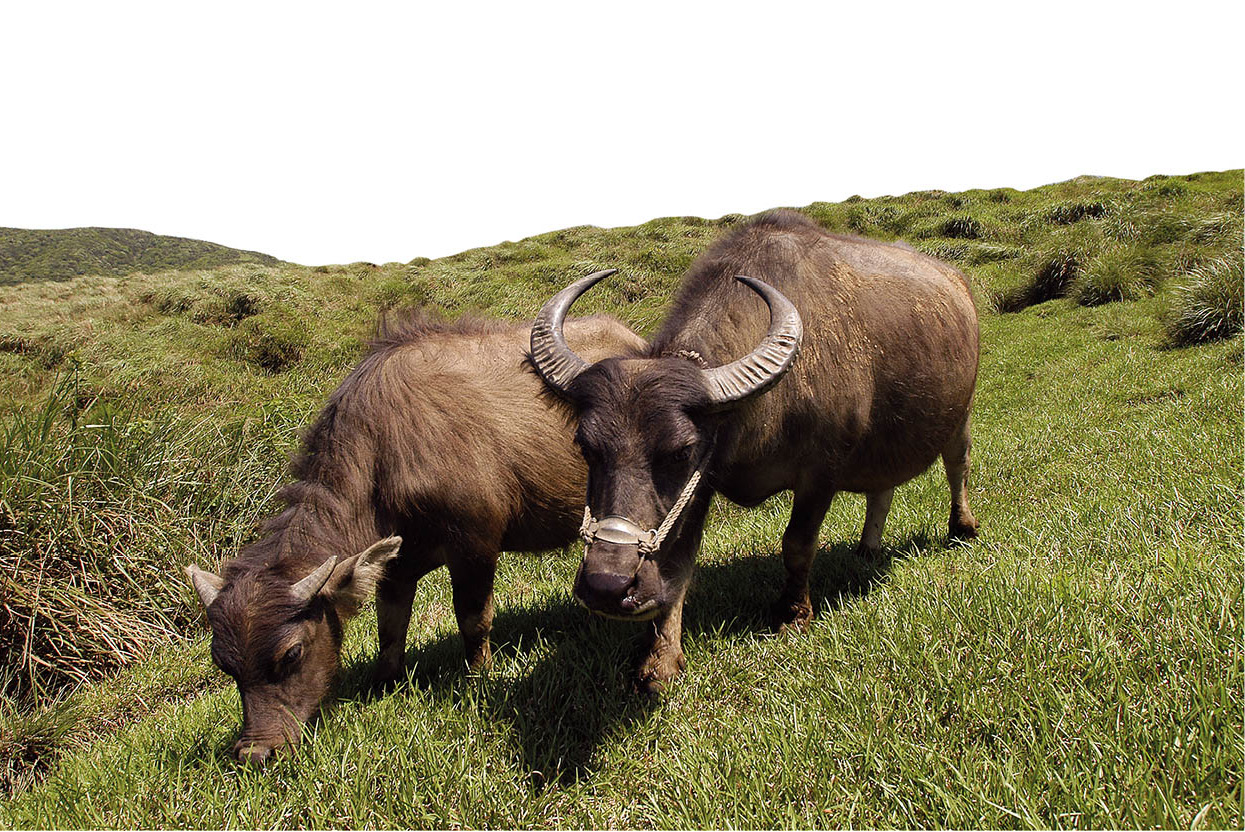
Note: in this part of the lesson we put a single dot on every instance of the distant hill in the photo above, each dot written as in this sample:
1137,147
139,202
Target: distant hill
32,256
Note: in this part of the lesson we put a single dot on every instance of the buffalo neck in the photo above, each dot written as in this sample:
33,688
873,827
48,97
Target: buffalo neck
317,523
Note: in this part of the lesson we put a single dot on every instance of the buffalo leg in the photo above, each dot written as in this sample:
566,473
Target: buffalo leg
955,457
794,610
471,577
394,596
877,506
665,659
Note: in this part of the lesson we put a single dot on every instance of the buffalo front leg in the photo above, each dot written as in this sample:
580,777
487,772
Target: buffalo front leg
794,610
877,506
395,593
665,659
956,457
471,578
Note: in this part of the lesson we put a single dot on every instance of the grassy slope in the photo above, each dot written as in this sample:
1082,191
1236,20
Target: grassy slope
27,256
1079,666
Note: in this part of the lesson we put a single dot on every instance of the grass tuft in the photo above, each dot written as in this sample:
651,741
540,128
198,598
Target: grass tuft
1119,274
99,508
1069,213
963,228
1208,304
272,344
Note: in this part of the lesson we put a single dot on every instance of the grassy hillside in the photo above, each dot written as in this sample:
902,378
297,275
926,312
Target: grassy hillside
28,256
1080,665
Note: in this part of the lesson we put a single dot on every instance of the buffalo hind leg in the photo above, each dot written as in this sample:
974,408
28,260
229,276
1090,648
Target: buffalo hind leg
877,506
471,579
395,594
665,659
793,610
955,457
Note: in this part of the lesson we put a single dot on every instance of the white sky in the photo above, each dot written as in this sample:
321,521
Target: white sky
326,133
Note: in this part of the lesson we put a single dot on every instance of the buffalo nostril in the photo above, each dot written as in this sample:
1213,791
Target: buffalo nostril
606,584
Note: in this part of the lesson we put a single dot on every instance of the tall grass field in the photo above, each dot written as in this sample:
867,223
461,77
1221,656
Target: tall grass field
1078,666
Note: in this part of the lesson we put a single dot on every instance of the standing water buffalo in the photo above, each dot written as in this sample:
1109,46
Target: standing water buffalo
444,444
882,387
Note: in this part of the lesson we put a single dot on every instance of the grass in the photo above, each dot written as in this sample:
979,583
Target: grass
1128,272
59,255
1209,304
1079,666
97,503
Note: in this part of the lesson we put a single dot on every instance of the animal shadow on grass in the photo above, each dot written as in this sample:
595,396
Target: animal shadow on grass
577,690
724,597
573,692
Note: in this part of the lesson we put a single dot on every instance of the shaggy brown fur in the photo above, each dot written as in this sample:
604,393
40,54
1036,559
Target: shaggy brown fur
441,436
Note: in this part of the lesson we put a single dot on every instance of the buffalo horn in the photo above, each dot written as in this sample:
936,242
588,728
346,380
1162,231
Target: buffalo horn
763,367
207,585
553,358
306,589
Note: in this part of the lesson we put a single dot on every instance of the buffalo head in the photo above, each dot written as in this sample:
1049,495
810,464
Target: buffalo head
280,640
647,429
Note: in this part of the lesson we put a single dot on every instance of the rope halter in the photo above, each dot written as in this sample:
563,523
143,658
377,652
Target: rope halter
614,528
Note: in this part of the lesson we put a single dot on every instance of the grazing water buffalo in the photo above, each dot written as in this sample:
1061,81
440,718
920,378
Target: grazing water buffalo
442,444
887,343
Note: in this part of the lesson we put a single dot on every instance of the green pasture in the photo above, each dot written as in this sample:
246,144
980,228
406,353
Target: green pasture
1080,665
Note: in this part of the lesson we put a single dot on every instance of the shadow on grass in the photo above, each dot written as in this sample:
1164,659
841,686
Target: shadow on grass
576,688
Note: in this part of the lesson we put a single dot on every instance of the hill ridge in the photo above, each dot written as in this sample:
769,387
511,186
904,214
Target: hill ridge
43,255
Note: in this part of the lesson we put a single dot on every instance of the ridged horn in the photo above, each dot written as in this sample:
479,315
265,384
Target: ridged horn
764,366
306,589
556,362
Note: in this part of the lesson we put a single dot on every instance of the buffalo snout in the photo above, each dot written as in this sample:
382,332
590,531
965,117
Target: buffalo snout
602,590
612,581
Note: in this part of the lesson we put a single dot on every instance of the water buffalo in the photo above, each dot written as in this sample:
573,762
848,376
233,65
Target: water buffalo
887,346
442,445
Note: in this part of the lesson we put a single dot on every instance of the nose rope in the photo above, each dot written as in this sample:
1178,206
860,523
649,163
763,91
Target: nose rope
652,542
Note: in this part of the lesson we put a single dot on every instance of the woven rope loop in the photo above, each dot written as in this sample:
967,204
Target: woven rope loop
651,544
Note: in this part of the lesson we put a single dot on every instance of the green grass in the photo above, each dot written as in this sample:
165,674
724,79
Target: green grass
1078,666
1209,304
97,504
1127,272
27,256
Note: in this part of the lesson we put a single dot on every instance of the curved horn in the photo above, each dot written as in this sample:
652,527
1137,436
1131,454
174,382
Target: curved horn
553,358
306,589
207,585
764,366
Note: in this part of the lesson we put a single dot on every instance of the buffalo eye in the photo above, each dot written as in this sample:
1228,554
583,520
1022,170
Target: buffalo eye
292,657
677,458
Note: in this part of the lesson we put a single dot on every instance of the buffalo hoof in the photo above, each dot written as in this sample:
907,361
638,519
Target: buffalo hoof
962,529
384,681
791,616
251,753
869,553
479,655
657,672
387,673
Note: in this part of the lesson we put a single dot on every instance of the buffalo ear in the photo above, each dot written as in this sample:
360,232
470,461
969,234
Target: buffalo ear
206,584
355,578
